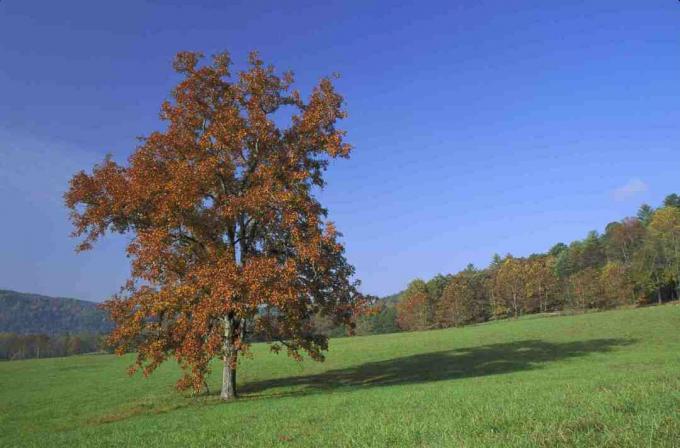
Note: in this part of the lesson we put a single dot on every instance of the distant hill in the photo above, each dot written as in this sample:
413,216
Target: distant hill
392,299
24,313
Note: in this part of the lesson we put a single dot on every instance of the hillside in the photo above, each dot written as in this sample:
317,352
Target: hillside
392,299
24,313
598,379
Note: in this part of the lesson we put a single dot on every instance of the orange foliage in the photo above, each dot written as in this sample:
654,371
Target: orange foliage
226,235
413,307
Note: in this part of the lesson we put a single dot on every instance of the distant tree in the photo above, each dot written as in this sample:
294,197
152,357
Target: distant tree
74,345
464,299
225,229
386,321
623,238
592,252
489,282
325,325
25,346
557,249
18,347
672,200
565,264
542,283
665,229
580,255
617,285
435,288
413,309
496,261
645,213
5,345
382,320
511,287
586,288
41,345
649,269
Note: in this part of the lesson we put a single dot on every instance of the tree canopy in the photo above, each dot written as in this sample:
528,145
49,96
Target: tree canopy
226,235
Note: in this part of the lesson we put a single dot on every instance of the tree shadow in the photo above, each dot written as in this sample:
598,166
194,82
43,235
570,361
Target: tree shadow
493,359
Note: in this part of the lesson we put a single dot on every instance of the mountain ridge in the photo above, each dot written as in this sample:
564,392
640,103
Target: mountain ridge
28,313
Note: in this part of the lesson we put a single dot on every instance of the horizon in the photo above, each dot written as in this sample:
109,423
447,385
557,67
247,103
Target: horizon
579,129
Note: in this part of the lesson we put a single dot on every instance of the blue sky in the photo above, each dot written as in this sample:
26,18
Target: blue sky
478,126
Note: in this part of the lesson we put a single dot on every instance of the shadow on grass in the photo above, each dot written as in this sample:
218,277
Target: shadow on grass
491,359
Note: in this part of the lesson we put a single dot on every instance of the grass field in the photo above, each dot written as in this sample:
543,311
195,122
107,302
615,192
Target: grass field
600,379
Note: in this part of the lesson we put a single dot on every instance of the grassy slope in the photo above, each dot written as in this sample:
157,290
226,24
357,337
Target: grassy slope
605,379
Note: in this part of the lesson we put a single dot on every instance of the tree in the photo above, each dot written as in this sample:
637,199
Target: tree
672,200
464,299
541,283
565,263
586,288
645,213
623,238
557,249
496,261
665,229
382,320
592,254
74,345
435,288
583,254
616,285
413,308
225,231
489,282
41,345
511,287
649,268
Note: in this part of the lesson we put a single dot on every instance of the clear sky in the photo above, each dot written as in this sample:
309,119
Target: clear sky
479,126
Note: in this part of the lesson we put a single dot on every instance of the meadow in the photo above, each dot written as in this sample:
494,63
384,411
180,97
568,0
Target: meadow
598,379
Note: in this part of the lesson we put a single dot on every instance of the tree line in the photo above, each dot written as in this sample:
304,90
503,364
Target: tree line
15,346
636,261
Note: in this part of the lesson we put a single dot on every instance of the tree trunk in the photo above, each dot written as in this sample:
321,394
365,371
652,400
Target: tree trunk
229,379
658,295
230,360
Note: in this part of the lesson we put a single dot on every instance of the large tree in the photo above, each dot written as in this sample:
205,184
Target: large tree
226,235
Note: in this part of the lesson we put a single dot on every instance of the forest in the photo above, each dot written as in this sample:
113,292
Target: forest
635,261
37,326
25,346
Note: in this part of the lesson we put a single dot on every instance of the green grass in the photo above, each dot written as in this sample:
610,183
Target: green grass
600,379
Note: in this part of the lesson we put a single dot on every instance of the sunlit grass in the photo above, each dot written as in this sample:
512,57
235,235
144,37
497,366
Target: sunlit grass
601,379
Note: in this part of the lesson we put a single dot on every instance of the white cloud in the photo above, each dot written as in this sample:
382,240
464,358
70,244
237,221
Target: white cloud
632,188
